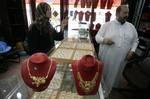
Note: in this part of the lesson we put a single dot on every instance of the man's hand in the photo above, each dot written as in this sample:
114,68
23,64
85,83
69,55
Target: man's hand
108,41
130,55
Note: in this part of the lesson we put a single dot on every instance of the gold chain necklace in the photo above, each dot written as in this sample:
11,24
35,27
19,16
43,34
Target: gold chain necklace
87,86
38,80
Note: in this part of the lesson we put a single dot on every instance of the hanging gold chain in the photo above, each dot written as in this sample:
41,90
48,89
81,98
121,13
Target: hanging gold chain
38,80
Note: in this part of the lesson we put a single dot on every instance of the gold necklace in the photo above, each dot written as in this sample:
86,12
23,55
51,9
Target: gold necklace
38,80
87,86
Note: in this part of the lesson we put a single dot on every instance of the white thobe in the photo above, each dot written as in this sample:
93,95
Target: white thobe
113,56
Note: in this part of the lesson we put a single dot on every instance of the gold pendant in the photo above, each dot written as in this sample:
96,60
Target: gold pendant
38,80
87,85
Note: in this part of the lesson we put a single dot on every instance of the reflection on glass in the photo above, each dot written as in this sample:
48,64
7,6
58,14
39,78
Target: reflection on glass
19,95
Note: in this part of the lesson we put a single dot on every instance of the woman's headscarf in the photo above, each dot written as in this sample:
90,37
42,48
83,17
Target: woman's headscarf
40,14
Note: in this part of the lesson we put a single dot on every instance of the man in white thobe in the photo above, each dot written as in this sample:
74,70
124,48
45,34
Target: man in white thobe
118,41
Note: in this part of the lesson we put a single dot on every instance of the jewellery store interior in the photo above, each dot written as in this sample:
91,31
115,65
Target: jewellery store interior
74,49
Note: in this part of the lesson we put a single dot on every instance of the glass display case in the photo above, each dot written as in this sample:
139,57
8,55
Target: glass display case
62,85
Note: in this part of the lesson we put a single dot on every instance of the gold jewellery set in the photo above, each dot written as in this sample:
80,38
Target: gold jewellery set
87,86
38,80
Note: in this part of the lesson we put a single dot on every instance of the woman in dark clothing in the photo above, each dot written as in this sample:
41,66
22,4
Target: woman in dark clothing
41,34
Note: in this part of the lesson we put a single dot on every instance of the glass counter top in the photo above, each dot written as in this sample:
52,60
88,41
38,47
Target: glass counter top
14,88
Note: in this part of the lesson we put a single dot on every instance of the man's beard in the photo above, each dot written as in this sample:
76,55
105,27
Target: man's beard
123,20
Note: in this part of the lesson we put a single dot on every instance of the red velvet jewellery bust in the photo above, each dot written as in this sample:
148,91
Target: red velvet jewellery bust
37,71
87,75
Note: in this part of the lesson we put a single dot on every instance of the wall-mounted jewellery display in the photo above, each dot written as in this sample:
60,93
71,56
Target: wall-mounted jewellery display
71,13
107,16
80,15
95,3
87,15
88,3
88,10
82,3
93,16
75,14
106,4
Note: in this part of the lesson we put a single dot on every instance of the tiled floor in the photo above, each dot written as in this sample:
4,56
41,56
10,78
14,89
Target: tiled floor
129,90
